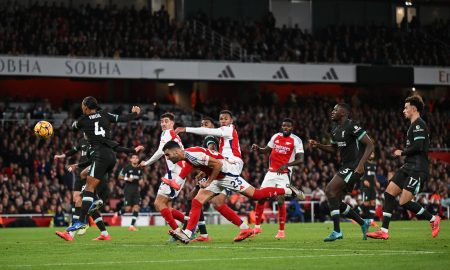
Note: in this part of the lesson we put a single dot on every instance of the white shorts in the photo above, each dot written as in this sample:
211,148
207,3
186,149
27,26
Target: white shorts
237,184
232,167
272,179
166,190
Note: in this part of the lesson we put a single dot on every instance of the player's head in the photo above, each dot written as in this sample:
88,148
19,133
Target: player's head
372,156
212,143
413,106
225,118
207,122
167,121
134,159
286,126
341,110
89,104
173,151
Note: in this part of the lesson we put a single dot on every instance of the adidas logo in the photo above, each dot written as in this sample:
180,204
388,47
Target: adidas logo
281,74
330,75
226,73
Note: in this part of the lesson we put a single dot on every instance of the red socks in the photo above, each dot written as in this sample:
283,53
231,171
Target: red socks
194,215
167,215
229,214
177,215
282,215
259,212
267,192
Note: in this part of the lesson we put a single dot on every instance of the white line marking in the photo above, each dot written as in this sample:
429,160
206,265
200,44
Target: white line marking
287,249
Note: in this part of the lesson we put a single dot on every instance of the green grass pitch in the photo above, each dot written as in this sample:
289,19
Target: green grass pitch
410,247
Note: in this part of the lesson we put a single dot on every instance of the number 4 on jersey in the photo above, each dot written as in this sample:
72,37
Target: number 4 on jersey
99,130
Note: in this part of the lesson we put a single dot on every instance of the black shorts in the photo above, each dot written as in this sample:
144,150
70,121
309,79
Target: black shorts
132,198
350,177
368,194
410,180
102,163
78,185
102,190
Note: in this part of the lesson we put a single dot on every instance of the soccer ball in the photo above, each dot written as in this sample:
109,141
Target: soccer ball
43,129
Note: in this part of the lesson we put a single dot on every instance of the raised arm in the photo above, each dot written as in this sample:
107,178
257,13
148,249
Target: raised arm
330,148
218,132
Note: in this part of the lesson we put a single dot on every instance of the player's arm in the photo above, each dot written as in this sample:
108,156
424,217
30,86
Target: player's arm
156,156
364,139
264,150
330,148
72,151
299,157
218,132
122,175
417,146
127,150
216,166
135,111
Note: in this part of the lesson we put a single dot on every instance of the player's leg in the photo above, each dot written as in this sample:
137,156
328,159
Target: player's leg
163,204
268,192
201,198
102,194
392,191
135,209
259,215
104,235
76,210
281,217
269,181
334,192
69,236
413,185
88,199
186,215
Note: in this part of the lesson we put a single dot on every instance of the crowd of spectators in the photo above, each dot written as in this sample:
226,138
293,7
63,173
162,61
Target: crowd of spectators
32,182
55,29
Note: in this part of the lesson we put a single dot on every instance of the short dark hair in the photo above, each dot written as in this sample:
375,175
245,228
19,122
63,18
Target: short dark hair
288,120
170,145
207,118
226,112
90,102
416,101
169,115
345,106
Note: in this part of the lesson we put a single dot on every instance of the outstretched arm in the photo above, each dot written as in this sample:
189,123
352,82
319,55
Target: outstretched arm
327,148
264,150
218,132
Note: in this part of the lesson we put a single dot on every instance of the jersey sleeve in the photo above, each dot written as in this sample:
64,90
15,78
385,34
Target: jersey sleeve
72,151
197,158
77,124
357,131
165,137
121,118
224,132
419,132
272,141
185,170
298,146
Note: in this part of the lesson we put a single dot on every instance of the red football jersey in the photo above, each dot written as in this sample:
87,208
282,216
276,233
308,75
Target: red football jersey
284,150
